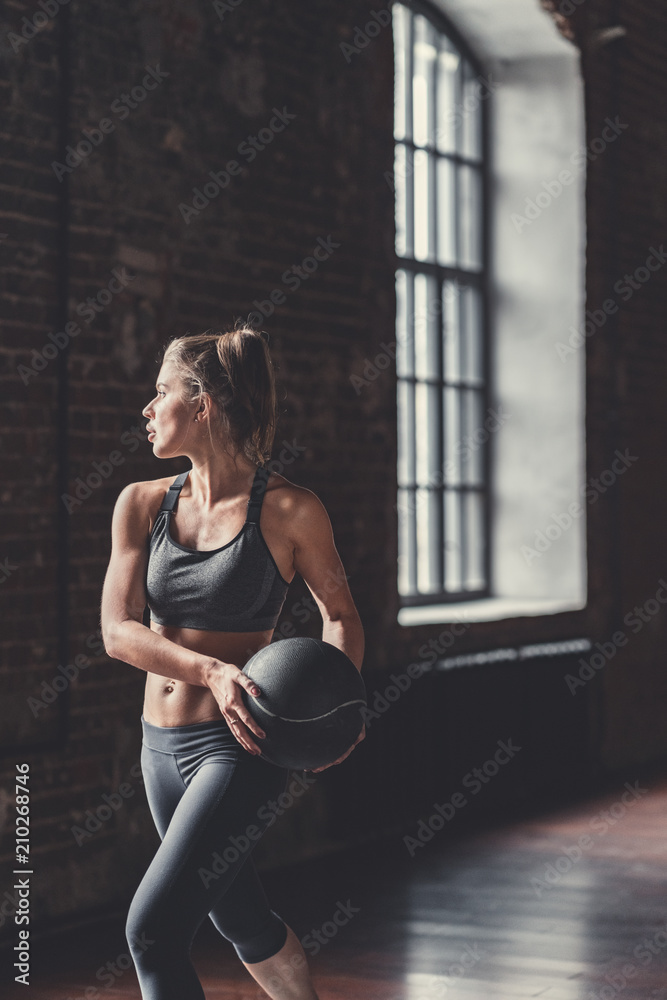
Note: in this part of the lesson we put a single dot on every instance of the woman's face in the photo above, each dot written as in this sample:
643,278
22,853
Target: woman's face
171,421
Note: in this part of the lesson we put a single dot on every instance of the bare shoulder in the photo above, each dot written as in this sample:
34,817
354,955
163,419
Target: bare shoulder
289,498
139,502
296,507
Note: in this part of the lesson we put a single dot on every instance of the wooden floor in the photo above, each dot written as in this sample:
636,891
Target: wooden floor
505,914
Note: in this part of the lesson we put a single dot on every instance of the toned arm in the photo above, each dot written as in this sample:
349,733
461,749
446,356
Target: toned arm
316,559
124,598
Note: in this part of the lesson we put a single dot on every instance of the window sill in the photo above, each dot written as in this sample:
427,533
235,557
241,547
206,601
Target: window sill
486,609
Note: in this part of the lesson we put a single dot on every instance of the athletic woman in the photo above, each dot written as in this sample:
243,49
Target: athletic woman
212,552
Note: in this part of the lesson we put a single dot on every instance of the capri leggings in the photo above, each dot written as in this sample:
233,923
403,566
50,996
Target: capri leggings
210,801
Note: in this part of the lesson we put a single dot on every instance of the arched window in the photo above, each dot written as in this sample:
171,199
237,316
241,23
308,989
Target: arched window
440,183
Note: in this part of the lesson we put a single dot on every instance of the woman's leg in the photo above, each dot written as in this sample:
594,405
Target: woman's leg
283,975
202,853
163,784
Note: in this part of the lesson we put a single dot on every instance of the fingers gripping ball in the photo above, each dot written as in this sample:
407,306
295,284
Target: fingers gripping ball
311,702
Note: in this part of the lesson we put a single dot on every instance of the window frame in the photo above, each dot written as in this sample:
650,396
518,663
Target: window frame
480,280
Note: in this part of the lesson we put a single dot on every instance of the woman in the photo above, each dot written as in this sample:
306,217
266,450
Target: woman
212,553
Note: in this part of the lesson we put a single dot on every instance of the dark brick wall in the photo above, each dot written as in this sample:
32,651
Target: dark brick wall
626,215
320,178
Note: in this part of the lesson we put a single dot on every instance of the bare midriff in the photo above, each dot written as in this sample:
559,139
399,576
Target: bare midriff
170,702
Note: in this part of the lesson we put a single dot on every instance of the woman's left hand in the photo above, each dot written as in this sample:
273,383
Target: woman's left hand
360,737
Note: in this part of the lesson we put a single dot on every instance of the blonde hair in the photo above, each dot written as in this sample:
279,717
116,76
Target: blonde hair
235,369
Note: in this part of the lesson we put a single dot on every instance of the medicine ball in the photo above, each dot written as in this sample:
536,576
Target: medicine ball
310,703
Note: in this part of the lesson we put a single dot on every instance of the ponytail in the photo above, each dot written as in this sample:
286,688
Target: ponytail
235,369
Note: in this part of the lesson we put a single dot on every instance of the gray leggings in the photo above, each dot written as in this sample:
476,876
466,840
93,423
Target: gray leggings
211,801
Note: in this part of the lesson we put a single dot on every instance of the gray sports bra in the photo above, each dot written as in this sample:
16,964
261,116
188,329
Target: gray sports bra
234,588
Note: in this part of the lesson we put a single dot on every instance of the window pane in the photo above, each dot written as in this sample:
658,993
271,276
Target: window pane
448,64
404,325
451,459
426,424
401,33
471,334
470,206
474,532
423,206
452,536
472,436
427,562
477,462
450,331
407,569
401,188
427,328
424,57
405,403
471,113
446,201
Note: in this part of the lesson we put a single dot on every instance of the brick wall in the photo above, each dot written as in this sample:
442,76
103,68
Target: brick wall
119,214
312,178
626,215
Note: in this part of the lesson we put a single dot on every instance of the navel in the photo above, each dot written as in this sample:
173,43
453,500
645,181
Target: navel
169,687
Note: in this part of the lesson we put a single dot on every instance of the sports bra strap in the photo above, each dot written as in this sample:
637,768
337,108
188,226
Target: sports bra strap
171,496
257,494
254,503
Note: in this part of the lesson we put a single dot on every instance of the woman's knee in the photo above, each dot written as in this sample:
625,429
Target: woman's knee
264,942
145,930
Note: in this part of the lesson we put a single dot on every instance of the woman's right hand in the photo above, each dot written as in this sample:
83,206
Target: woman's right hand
225,681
